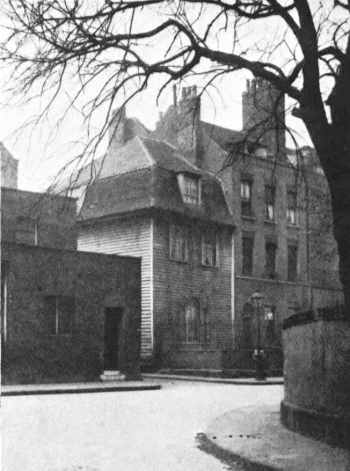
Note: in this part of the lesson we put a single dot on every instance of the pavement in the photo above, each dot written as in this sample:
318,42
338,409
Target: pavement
76,388
254,436
207,379
141,430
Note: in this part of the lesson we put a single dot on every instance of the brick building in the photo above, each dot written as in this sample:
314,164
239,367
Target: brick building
9,168
283,244
149,200
65,315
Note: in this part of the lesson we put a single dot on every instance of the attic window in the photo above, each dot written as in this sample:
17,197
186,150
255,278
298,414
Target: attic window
190,189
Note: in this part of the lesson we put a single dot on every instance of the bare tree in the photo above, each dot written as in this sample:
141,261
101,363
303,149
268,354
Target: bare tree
115,47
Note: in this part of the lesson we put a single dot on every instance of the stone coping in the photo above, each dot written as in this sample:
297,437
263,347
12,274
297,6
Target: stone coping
334,313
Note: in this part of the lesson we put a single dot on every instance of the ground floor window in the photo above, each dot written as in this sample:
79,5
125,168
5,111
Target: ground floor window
59,311
192,322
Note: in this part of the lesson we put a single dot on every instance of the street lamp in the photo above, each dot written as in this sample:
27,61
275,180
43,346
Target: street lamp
260,374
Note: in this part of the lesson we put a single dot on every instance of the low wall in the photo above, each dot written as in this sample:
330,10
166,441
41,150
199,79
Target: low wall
316,376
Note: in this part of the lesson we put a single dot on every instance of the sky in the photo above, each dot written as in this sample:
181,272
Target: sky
43,149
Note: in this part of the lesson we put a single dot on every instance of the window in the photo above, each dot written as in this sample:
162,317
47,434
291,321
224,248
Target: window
26,230
190,188
292,207
292,262
192,322
269,202
246,197
59,313
210,249
270,260
179,243
247,255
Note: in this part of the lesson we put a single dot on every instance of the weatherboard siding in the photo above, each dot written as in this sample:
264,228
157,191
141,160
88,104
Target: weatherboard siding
130,237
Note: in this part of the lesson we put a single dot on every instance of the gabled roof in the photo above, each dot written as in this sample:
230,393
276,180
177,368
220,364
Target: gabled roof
143,175
224,137
166,156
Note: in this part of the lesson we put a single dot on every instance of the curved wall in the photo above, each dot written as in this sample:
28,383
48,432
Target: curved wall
317,378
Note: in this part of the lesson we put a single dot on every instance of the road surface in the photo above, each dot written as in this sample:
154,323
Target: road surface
120,431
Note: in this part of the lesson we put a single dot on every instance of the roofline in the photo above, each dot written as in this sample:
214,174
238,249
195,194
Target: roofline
38,193
75,252
150,209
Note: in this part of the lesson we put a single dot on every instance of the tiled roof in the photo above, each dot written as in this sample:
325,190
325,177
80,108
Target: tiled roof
144,175
155,188
224,137
166,156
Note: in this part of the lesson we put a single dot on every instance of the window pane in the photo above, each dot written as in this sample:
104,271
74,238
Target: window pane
192,322
269,202
246,193
270,249
178,243
50,314
191,192
292,262
209,249
65,315
292,207
247,252
25,230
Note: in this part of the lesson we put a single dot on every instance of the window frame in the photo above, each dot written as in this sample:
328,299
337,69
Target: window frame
244,272
193,307
214,244
26,230
292,245
271,274
187,183
292,207
270,200
174,231
246,192
59,314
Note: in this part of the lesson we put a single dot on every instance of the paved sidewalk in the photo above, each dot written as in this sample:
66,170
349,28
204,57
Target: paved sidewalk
75,388
208,379
255,436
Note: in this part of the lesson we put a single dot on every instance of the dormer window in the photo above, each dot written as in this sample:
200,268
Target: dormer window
190,187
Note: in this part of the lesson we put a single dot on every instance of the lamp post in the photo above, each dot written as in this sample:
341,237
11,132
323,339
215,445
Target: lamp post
260,374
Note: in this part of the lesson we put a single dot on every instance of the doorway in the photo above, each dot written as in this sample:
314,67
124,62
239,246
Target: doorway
113,318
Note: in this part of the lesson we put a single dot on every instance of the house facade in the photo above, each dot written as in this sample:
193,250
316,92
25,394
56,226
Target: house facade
152,202
284,246
65,315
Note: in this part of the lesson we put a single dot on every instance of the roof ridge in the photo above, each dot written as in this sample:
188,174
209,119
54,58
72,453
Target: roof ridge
222,127
144,148
178,154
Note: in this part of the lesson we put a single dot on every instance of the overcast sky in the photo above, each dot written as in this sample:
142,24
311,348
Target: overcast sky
43,149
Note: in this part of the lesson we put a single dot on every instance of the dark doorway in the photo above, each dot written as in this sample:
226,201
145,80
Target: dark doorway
113,318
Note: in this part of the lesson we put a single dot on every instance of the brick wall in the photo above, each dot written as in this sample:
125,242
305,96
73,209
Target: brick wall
38,218
176,283
30,354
